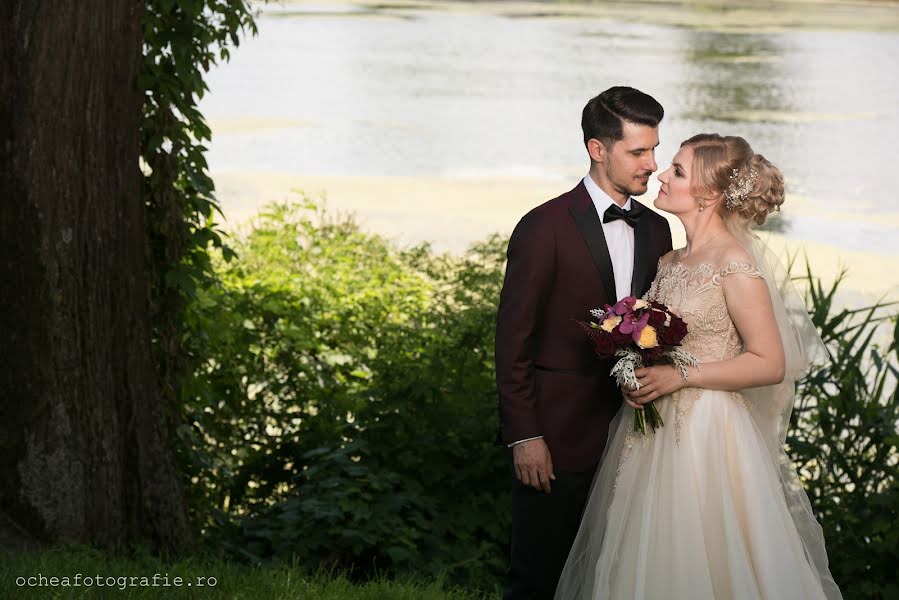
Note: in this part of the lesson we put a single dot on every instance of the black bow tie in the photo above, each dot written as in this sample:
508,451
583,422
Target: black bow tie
615,212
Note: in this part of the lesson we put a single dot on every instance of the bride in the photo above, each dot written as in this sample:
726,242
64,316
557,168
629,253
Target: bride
709,506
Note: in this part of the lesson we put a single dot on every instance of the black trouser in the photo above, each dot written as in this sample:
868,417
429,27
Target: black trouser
543,529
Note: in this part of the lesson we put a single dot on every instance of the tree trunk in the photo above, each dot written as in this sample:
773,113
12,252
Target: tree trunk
84,450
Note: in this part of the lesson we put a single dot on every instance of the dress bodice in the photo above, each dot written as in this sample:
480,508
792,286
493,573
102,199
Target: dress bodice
697,296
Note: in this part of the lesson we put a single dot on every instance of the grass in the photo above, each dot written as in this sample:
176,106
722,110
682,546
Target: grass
134,578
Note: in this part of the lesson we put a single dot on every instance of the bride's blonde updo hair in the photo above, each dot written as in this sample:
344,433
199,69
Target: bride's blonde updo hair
726,165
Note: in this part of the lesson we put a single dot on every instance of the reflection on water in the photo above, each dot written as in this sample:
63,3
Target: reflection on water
721,77
393,90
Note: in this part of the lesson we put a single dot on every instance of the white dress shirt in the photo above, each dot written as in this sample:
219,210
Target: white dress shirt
619,239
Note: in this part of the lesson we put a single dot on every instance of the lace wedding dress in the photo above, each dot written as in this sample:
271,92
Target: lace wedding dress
700,509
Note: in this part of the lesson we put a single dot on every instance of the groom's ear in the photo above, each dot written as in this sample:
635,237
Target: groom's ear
597,150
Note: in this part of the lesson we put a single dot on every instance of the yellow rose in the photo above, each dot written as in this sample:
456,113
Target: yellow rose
648,338
611,323
640,304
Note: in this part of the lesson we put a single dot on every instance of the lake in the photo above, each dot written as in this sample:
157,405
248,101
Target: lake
419,115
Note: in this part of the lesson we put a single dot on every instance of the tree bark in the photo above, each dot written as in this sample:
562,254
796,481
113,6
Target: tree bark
84,449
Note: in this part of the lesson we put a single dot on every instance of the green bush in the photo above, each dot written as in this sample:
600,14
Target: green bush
343,410
843,439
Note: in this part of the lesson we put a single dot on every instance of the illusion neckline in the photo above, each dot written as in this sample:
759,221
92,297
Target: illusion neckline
706,266
680,264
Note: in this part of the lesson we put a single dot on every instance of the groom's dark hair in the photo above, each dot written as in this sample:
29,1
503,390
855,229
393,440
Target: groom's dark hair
603,115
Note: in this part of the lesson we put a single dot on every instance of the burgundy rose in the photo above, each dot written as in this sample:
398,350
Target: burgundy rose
620,338
674,333
656,318
604,345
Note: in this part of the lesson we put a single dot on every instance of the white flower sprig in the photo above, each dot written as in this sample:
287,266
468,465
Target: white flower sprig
625,375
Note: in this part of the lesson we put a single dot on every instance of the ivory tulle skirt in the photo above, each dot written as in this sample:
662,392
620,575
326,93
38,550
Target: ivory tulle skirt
696,510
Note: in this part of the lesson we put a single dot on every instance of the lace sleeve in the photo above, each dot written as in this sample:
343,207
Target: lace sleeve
733,267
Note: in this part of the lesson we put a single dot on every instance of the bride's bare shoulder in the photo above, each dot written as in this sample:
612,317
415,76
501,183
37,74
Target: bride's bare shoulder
732,252
668,258
727,250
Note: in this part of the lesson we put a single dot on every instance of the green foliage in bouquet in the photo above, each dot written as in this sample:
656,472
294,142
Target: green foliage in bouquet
843,439
342,409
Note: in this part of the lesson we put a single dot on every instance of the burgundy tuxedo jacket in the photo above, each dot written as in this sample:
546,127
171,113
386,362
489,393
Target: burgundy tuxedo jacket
549,380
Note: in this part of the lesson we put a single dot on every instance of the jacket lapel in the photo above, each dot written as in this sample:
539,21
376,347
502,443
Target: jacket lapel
591,228
642,239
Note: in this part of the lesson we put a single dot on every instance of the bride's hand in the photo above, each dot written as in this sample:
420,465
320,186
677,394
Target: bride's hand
654,382
626,392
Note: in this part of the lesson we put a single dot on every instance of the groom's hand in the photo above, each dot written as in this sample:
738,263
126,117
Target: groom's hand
533,464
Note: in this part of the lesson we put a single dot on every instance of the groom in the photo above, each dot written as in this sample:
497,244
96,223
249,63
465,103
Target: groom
591,246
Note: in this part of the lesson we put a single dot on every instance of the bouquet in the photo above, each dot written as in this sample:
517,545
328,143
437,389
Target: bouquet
639,332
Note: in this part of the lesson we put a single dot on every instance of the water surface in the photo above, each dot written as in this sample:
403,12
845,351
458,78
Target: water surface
420,90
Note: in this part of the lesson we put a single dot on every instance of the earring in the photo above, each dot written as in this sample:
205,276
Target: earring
701,207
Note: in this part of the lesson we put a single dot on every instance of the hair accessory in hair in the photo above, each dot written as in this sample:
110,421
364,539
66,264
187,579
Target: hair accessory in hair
739,188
